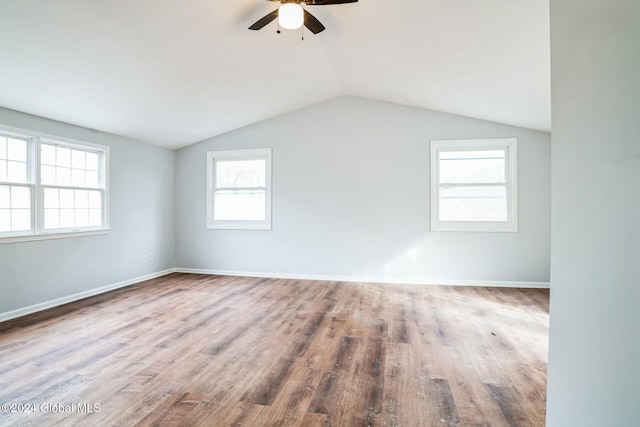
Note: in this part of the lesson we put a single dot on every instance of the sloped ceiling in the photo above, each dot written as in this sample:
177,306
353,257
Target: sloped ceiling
175,72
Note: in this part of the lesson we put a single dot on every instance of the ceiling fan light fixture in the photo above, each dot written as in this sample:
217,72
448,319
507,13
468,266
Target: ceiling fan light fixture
290,16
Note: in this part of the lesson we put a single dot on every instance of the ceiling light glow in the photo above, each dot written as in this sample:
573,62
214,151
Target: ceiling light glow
290,16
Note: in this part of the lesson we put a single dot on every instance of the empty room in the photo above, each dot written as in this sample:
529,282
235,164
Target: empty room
319,213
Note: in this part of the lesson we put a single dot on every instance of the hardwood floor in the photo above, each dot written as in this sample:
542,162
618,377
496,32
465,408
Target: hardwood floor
190,349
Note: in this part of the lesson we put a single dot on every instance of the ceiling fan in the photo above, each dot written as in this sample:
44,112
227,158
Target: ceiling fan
291,15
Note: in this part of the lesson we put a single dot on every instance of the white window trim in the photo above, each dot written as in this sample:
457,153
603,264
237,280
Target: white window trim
508,144
37,231
212,157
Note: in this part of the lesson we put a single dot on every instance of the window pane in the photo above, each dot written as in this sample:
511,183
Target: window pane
17,149
16,172
5,220
3,147
66,199
95,200
3,170
470,154
243,173
239,205
47,154
82,199
48,175
92,161
95,217
462,167
77,159
51,198
82,217
5,197
78,208
67,218
77,178
63,176
20,219
20,198
92,179
51,218
473,203
63,157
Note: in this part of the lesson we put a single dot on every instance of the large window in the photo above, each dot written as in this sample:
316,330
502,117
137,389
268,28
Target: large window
239,189
50,187
474,185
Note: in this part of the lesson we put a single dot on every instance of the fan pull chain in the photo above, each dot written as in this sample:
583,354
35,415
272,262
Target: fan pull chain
302,32
278,30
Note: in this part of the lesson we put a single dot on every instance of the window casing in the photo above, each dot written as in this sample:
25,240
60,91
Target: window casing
239,189
51,187
474,185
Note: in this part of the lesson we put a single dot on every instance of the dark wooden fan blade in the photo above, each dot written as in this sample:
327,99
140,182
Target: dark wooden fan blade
312,23
264,20
323,2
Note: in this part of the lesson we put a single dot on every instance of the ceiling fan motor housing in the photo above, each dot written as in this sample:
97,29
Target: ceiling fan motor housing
309,21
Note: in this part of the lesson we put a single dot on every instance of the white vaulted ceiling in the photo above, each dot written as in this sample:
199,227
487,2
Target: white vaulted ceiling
175,72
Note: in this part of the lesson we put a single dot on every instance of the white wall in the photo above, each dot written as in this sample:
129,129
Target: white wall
351,199
594,354
142,217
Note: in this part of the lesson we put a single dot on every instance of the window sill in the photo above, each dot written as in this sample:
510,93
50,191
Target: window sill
49,236
239,227
474,227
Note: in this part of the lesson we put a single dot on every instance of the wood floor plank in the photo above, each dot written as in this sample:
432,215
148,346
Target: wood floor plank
199,350
368,384
510,404
329,392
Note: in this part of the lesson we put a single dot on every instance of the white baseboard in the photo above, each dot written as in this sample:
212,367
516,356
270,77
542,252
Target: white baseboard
81,295
396,280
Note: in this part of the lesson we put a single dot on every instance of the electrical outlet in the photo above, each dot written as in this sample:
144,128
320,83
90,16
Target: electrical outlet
150,256
263,255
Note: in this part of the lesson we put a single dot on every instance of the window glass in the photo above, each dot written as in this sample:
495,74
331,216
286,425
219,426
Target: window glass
242,173
15,208
240,205
13,159
66,167
472,166
473,204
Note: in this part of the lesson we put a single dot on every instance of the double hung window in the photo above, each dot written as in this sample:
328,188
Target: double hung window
239,189
50,187
474,185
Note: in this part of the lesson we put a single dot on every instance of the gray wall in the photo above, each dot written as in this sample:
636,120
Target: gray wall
351,198
594,351
142,217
